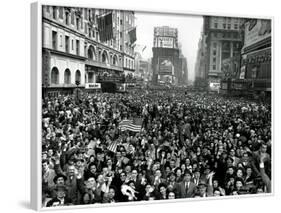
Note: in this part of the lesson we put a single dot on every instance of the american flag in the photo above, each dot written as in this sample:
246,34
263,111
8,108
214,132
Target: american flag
133,125
113,146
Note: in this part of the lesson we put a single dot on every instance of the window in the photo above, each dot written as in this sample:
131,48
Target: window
54,12
229,26
78,76
90,77
215,35
115,60
214,44
89,15
60,12
121,47
66,18
77,47
86,28
104,58
214,60
67,44
214,52
86,13
224,26
72,18
54,39
72,44
67,76
235,26
93,33
120,34
77,23
55,76
90,32
214,67
121,22
216,25
60,40
97,36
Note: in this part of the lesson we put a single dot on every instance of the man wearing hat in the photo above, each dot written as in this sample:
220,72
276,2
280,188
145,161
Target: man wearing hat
186,188
59,180
60,199
204,189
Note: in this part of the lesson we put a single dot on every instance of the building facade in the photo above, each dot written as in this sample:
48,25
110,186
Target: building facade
223,40
200,80
168,63
73,53
253,77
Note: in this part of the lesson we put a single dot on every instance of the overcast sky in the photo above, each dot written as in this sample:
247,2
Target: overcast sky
189,29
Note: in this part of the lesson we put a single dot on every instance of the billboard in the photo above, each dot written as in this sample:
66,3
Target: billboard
256,30
166,66
165,42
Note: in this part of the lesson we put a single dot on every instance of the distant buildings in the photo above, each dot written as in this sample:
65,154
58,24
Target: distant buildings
168,65
223,41
234,55
76,54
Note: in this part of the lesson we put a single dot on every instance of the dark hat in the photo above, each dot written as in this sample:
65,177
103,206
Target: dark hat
187,172
131,181
58,176
160,185
171,173
98,151
61,188
202,183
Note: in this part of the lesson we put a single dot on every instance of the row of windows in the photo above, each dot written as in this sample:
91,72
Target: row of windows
77,21
129,63
226,26
226,35
67,43
67,76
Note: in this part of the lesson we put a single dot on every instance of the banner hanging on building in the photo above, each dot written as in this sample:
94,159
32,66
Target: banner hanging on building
105,27
133,35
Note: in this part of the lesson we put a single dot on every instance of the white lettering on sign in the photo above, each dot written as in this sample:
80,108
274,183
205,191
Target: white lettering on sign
92,85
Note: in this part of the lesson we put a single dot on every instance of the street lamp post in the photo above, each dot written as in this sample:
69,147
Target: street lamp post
77,85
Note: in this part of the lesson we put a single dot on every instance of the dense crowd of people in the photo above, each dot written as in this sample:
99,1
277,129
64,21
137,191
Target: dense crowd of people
191,145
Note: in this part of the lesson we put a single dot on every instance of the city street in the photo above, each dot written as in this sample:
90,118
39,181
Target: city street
171,112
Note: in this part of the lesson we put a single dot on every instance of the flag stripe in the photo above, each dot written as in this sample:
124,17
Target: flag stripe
129,125
113,146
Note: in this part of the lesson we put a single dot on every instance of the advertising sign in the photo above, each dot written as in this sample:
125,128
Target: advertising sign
165,66
165,42
214,86
242,72
256,30
93,86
